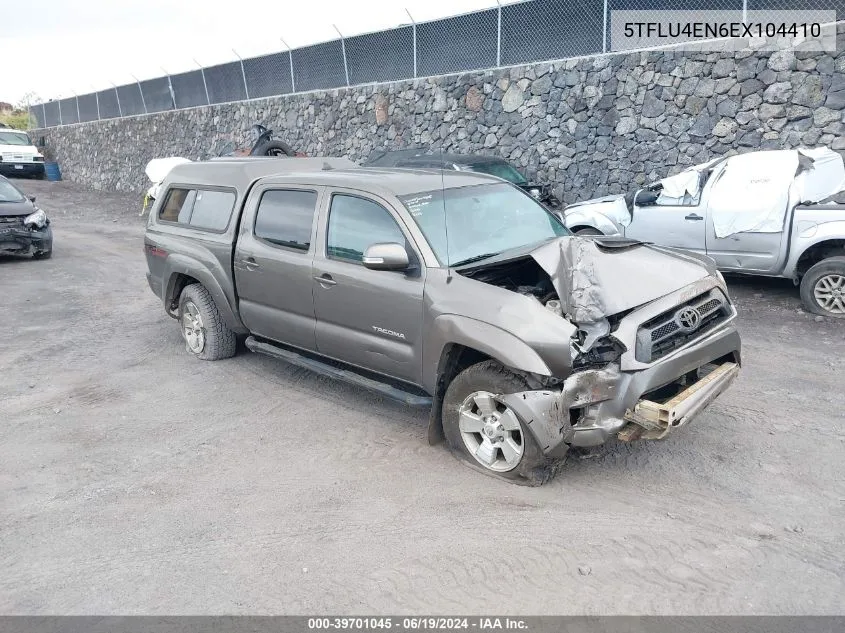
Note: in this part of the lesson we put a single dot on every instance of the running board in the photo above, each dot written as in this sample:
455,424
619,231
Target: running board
346,375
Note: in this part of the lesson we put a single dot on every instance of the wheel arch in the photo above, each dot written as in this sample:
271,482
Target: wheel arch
818,251
183,271
462,342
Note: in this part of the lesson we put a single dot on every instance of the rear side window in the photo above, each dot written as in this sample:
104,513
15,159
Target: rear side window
286,217
355,224
200,208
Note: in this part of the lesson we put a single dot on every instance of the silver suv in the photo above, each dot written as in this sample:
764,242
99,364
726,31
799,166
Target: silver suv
445,289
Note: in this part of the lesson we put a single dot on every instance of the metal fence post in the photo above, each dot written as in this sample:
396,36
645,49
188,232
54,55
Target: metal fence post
499,35
204,85
343,46
117,94
243,73
44,113
141,90
170,89
604,30
745,11
290,59
97,98
78,116
414,31
59,104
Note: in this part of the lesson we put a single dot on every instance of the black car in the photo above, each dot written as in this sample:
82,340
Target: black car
492,165
24,228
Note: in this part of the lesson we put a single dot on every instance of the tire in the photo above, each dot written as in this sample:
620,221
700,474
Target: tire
210,338
823,288
274,148
480,381
43,254
588,231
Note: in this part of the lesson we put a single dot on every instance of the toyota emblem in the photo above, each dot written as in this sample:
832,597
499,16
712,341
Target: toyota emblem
688,319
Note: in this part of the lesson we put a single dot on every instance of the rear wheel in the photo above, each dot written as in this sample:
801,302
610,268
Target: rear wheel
43,254
823,288
205,332
485,433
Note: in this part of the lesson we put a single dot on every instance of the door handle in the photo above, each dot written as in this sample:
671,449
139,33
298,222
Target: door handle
250,263
693,216
325,280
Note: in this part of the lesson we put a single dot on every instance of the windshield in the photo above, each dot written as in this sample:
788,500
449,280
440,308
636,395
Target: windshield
14,138
500,170
481,220
8,193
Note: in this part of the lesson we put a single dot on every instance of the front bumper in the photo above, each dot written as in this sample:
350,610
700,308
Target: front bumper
594,405
23,241
21,169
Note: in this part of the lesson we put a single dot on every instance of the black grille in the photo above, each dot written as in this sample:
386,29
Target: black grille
663,334
11,220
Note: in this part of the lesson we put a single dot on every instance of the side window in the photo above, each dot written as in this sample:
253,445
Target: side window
212,209
285,218
178,206
203,209
356,223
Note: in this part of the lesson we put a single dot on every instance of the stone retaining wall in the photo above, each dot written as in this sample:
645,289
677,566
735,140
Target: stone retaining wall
592,126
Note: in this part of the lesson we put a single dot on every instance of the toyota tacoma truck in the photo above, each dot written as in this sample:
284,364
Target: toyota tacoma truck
451,290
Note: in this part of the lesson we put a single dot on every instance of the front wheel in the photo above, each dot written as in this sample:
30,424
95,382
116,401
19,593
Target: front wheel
588,231
823,288
485,433
205,332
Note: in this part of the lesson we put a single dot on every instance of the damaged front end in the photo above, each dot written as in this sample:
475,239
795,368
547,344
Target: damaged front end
25,235
654,342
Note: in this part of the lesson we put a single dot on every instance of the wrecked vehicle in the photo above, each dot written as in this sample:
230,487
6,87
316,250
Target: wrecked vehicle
479,163
772,213
450,290
24,228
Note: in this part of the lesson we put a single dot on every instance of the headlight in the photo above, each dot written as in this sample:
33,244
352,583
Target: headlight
535,193
38,219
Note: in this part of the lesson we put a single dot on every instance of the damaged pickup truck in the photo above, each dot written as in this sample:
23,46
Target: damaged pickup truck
451,290
771,213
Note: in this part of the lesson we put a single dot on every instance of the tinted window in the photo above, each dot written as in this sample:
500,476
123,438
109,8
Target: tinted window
212,209
355,224
8,193
286,217
178,206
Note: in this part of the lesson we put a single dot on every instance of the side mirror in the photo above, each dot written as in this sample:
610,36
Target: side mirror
386,256
31,198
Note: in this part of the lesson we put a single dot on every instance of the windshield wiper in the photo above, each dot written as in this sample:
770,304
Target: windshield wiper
475,258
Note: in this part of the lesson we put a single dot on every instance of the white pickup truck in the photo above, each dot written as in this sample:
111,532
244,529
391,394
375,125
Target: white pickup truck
18,156
773,213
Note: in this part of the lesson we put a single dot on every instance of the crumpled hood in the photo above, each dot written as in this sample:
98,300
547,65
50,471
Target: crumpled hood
596,278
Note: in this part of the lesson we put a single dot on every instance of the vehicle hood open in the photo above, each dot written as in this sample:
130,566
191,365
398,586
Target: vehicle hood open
599,277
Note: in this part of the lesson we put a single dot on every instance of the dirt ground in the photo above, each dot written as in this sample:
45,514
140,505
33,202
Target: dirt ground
137,480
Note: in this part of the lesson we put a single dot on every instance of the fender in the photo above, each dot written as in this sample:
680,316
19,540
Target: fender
181,264
809,237
497,343
582,215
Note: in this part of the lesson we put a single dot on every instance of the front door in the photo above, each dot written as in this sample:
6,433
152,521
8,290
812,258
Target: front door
368,318
273,264
677,225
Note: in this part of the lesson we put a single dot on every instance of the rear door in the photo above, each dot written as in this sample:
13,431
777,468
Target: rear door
368,318
273,263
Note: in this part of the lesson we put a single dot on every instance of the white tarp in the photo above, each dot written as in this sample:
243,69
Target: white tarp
755,190
157,170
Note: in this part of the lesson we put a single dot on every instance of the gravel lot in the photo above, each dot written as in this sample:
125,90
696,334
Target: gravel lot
136,479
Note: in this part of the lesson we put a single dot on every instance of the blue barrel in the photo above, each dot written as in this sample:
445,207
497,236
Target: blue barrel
52,170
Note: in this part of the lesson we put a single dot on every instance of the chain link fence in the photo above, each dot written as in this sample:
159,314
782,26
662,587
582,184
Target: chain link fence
505,35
